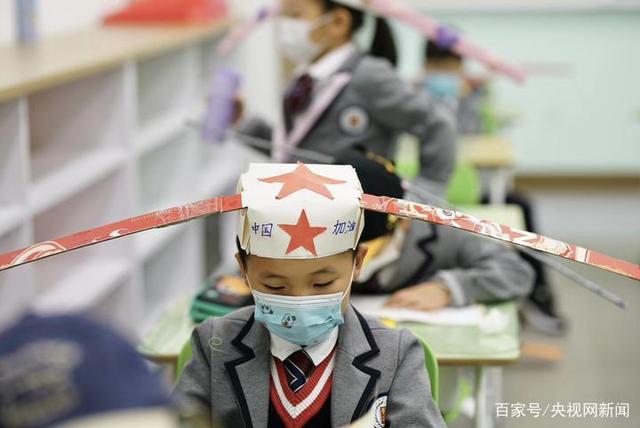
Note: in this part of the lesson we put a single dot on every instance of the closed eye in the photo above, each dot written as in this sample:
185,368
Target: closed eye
273,287
324,284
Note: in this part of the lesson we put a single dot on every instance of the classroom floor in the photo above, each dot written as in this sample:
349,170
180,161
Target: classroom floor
600,364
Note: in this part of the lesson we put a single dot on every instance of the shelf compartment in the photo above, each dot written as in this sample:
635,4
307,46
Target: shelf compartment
165,86
13,152
77,119
166,175
84,287
176,269
74,177
16,285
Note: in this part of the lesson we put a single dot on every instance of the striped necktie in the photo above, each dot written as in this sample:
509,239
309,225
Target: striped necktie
298,367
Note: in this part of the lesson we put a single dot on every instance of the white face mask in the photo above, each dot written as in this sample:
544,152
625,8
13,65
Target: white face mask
294,38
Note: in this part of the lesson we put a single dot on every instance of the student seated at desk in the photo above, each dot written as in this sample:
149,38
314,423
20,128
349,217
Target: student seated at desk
303,356
427,266
444,80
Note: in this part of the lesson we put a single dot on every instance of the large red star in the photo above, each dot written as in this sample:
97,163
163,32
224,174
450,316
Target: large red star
302,178
302,234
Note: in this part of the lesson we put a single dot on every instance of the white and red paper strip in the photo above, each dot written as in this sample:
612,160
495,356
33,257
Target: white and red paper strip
155,220
399,207
502,232
440,34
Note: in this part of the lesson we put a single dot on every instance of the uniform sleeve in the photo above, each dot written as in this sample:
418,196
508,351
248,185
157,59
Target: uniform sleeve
193,390
486,271
399,106
410,403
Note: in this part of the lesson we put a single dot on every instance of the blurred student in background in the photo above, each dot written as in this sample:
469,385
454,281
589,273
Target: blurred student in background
424,266
444,79
341,96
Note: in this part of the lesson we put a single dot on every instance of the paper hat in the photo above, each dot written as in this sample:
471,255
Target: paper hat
309,184
299,211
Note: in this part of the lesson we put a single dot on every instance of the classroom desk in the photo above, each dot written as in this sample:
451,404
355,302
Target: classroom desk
491,155
485,352
452,345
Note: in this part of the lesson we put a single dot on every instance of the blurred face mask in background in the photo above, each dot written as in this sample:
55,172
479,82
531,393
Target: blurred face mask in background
293,36
442,85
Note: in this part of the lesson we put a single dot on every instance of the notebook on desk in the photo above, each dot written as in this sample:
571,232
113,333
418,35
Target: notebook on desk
474,315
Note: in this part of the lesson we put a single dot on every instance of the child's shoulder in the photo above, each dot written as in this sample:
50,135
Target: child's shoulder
372,71
396,339
231,322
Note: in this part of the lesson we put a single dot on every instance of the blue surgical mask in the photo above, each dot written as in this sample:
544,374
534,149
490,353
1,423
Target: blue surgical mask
303,320
443,85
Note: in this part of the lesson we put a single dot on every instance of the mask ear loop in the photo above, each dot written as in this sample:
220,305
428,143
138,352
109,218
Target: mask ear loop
353,272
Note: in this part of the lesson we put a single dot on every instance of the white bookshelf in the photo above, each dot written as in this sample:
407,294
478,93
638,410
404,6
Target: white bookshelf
93,135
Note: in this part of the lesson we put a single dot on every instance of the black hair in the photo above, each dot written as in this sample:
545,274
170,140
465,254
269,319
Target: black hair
377,177
383,45
433,51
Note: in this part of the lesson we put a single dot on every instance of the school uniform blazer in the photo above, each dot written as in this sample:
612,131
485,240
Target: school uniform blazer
229,373
365,102
474,268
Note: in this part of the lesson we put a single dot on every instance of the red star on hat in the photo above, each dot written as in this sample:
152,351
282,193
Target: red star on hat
302,178
302,234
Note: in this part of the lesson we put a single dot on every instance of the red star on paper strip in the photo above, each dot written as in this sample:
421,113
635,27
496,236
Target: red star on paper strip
302,178
302,234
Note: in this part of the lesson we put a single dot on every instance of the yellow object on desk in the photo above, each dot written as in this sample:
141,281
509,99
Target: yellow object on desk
487,151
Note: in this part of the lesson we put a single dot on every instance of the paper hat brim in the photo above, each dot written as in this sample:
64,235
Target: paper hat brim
398,207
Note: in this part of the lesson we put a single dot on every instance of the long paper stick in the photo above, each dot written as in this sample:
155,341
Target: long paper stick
542,258
237,35
501,232
442,35
154,220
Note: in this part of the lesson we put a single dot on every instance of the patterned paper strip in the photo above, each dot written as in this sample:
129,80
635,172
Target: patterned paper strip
435,31
237,35
502,232
158,219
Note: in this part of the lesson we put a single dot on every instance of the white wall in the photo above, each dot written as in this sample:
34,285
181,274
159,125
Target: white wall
57,16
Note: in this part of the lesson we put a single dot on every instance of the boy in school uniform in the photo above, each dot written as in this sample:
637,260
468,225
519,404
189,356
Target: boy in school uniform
303,356
341,96
426,266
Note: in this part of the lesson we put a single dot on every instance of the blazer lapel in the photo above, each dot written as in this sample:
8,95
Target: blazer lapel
418,256
354,381
249,374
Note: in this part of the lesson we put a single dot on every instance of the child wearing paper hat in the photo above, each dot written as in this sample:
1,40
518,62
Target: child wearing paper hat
303,356
341,96
425,266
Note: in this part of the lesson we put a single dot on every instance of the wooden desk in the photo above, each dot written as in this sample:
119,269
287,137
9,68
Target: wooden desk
492,155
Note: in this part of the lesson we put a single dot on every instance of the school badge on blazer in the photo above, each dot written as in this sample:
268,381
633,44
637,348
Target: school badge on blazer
379,408
354,120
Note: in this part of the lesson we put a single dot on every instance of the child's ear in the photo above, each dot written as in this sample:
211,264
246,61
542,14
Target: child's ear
361,253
